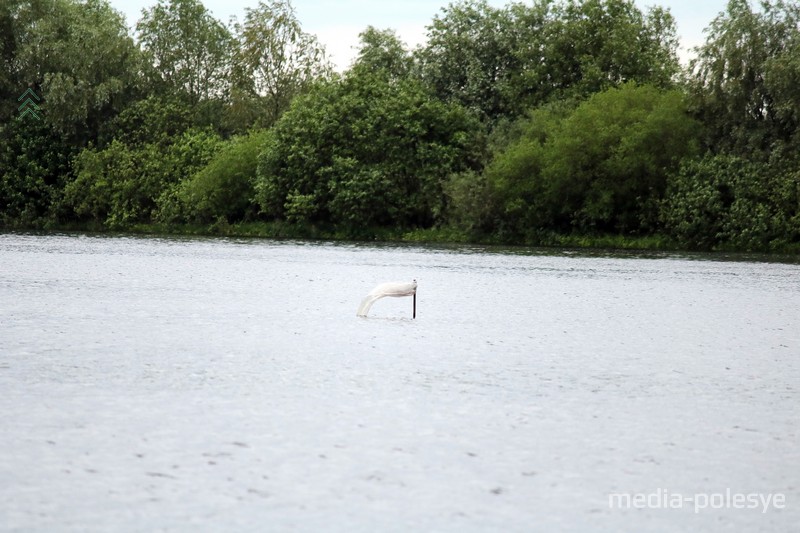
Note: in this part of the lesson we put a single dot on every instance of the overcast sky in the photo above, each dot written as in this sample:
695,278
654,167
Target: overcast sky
338,23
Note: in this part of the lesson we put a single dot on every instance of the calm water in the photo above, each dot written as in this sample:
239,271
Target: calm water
185,385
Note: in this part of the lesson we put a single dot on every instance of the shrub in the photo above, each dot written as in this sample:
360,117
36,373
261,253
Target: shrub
724,201
224,188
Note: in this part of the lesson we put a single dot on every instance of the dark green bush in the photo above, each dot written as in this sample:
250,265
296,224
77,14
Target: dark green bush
727,202
601,167
224,188
367,150
125,184
34,169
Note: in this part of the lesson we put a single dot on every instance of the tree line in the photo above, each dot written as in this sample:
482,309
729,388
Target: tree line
530,123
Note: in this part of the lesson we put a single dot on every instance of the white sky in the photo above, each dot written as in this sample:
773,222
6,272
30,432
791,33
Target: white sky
338,23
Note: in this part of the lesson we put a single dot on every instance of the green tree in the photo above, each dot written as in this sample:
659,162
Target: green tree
471,54
502,61
364,151
593,45
383,51
745,78
155,119
274,61
602,167
782,80
34,168
124,184
224,188
189,49
45,48
508,198
724,201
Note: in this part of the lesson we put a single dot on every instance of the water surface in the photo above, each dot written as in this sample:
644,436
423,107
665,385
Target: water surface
207,384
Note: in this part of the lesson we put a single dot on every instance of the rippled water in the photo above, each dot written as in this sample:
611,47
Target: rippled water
204,384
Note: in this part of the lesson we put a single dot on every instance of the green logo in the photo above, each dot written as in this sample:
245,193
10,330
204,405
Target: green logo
28,106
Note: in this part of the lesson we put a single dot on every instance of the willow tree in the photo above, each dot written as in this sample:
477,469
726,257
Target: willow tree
45,48
746,78
274,61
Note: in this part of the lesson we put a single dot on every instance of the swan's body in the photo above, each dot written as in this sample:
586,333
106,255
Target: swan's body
394,289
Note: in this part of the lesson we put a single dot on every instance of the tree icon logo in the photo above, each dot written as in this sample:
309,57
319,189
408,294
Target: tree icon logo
28,105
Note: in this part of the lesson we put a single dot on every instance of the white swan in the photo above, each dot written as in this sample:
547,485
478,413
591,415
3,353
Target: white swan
395,289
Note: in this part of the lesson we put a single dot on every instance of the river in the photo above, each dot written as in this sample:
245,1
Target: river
168,384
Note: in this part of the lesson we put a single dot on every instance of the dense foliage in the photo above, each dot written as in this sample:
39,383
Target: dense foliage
602,166
529,123
363,152
499,62
726,201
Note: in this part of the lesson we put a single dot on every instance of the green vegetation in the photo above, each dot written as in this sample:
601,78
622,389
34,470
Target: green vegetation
557,122
601,167
365,151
